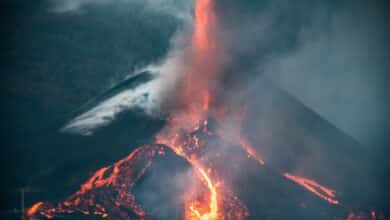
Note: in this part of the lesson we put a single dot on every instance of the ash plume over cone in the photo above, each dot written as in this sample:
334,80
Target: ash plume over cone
201,73
204,129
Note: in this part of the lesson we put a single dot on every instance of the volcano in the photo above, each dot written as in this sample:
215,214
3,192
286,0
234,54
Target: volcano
213,169
263,190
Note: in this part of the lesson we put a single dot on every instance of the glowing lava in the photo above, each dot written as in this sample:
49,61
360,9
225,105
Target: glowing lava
314,187
250,150
108,193
33,209
213,207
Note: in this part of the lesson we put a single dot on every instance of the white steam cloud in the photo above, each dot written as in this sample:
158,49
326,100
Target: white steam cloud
149,96
178,8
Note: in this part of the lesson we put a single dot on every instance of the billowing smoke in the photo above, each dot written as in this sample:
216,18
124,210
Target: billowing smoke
329,55
338,71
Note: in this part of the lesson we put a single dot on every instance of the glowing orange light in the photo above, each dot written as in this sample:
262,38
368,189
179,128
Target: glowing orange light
34,208
314,187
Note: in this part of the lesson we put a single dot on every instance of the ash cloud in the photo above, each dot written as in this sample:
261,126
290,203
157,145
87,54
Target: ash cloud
338,71
329,55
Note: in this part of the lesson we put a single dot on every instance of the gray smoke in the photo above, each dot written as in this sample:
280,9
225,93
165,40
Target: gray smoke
332,56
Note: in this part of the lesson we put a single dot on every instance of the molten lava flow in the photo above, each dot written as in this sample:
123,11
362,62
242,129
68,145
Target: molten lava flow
213,196
250,150
314,187
108,192
31,211
213,201
217,201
